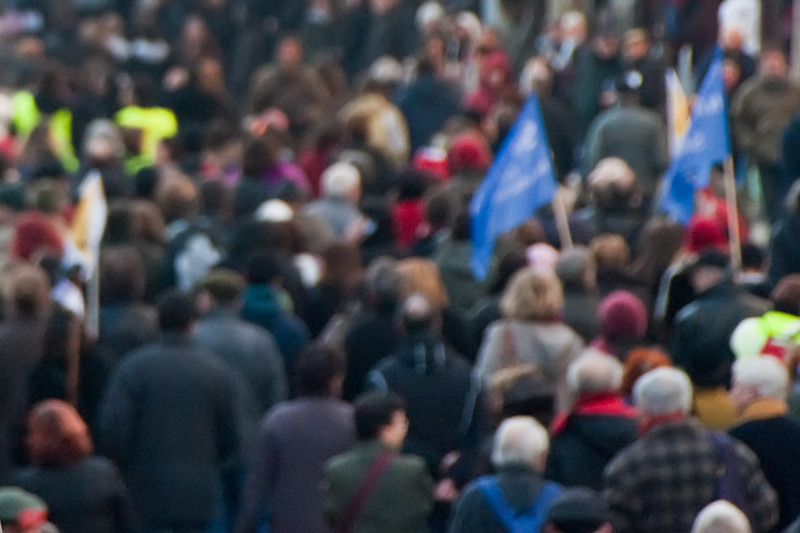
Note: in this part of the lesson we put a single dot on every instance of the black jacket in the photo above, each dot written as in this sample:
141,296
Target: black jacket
437,387
169,422
700,342
583,443
86,497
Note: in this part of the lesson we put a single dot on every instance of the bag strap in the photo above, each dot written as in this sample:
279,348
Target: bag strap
543,501
529,519
364,490
497,502
508,349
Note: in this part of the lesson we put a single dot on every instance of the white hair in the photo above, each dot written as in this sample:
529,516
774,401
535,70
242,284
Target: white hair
471,25
519,440
573,20
765,373
101,135
721,517
340,179
428,13
611,170
594,371
663,391
274,211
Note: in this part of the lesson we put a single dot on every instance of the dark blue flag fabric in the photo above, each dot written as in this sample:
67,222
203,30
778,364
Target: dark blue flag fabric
706,144
520,180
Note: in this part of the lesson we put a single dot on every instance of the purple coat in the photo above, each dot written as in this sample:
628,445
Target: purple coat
294,441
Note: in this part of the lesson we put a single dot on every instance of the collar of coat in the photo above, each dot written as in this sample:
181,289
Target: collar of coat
594,404
764,408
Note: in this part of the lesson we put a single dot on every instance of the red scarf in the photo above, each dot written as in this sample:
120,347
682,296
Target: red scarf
594,404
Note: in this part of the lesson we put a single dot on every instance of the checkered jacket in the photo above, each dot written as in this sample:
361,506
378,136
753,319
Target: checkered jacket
661,482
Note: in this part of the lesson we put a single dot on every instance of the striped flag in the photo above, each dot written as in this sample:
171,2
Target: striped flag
678,118
88,224
706,143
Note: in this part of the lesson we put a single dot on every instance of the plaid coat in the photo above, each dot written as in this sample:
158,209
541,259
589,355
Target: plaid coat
661,482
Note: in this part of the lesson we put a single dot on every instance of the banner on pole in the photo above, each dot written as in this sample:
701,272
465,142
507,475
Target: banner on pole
520,180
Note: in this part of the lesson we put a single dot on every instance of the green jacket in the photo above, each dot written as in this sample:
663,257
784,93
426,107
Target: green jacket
400,502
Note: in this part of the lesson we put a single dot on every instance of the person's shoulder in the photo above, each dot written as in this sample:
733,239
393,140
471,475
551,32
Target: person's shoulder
249,331
289,410
688,313
747,88
755,304
410,463
472,492
99,468
636,453
135,360
342,463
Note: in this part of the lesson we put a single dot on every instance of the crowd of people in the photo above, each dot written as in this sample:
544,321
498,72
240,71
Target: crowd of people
282,331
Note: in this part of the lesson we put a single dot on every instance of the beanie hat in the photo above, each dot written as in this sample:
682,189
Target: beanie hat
224,285
622,315
705,232
469,151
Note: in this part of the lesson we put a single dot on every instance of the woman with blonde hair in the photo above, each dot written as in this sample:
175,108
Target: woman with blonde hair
531,333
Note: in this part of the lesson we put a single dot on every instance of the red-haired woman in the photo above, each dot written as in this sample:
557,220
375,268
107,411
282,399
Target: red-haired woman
84,493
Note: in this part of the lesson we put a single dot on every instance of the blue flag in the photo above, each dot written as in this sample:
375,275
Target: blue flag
706,143
520,180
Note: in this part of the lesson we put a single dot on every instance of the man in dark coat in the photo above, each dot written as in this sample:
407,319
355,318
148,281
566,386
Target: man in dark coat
784,254
435,383
598,426
169,420
701,346
631,132
444,409
426,104
294,441
759,390
391,31
251,352
374,332
247,349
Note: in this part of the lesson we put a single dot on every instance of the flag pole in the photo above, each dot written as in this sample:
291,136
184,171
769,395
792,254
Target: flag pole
93,304
733,214
562,222
73,374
